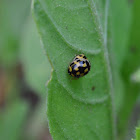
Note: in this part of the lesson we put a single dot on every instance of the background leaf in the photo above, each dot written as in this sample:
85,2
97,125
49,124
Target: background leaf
68,28
13,15
13,120
36,66
137,134
120,23
129,66
136,76
37,70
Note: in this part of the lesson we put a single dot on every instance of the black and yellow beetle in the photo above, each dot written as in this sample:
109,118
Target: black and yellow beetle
79,67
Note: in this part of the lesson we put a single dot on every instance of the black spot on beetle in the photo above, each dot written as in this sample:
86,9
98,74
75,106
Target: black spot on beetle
85,57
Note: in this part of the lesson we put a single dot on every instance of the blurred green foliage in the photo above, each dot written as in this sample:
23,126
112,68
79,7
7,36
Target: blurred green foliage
36,66
13,16
137,134
12,121
24,72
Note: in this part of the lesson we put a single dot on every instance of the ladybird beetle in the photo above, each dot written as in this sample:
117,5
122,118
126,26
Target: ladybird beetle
79,67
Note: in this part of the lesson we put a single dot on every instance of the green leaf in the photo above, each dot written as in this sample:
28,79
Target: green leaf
120,19
12,17
130,65
36,67
81,108
69,118
12,121
37,71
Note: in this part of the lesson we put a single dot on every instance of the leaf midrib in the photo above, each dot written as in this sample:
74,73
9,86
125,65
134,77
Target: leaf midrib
106,56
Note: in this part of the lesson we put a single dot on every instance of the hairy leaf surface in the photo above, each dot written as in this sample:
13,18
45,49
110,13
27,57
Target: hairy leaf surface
68,28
